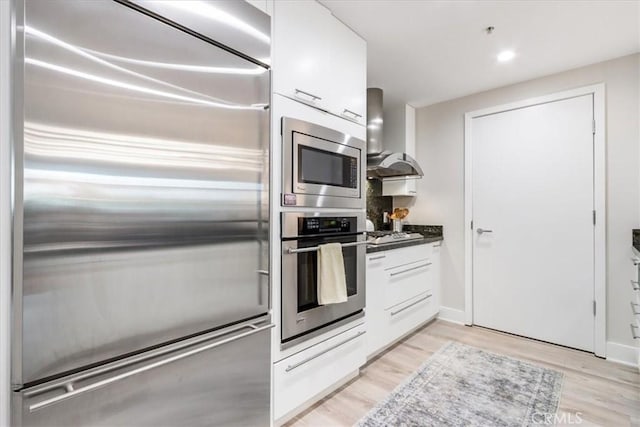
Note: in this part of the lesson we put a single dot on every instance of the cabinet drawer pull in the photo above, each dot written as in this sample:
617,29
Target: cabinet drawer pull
313,97
377,257
315,356
353,113
635,284
411,269
635,261
633,308
393,313
633,332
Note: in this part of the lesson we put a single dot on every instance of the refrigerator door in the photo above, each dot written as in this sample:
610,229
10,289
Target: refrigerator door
222,380
141,187
251,27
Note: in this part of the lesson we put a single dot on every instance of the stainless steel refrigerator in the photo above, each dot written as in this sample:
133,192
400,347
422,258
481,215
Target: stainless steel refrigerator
140,209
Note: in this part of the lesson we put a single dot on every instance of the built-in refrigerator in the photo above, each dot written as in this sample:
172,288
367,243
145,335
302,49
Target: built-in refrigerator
140,213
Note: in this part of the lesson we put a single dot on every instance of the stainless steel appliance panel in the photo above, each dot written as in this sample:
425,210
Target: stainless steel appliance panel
298,322
236,24
145,191
219,380
299,134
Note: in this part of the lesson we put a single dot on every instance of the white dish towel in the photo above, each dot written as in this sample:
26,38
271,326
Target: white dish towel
332,282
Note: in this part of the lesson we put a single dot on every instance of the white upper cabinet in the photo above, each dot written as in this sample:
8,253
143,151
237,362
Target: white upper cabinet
264,5
348,84
300,51
318,60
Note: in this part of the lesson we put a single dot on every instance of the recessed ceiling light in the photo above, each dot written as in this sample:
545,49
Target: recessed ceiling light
506,55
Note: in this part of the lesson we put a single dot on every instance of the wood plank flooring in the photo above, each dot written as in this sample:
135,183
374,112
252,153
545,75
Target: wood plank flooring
605,393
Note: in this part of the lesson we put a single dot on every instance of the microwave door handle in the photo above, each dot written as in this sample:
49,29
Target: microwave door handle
315,248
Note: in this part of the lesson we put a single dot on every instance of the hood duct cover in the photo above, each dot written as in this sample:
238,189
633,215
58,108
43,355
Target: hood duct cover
384,164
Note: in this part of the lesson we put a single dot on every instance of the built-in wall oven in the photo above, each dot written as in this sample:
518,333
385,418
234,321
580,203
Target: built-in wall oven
322,167
302,233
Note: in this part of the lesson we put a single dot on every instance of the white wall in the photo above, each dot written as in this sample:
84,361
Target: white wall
5,238
440,152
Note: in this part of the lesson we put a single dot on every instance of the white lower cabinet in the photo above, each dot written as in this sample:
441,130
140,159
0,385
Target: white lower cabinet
407,280
306,375
375,318
402,292
404,317
635,300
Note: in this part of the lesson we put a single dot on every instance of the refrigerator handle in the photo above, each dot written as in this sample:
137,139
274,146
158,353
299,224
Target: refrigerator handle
70,391
261,273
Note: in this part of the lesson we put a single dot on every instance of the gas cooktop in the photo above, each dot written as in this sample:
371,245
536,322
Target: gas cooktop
384,237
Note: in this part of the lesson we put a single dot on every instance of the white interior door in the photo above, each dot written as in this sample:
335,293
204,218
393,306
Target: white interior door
533,193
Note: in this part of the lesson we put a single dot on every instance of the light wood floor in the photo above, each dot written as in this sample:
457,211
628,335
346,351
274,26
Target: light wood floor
606,393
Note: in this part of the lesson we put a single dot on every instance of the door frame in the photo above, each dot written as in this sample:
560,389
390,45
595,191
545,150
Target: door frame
599,148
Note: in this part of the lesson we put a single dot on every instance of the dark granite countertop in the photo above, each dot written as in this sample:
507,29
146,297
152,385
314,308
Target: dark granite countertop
636,241
397,245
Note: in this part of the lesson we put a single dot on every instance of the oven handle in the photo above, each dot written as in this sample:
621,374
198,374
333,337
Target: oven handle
315,248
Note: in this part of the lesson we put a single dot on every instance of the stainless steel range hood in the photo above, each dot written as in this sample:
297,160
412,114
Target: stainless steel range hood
383,164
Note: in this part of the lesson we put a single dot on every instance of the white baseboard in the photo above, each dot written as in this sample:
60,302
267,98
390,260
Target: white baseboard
452,315
624,354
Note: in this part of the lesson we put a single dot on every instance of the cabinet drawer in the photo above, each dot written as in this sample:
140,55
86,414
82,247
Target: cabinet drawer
400,256
403,317
407,281
306,374
376,260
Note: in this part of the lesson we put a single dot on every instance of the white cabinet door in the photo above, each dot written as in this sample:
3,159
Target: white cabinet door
400,256
408,315
407,280
303,376
435,267
318,60
260,4
348,63
374,312
400,187
403,292
301,51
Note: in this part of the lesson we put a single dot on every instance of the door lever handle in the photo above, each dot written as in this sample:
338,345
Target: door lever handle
482,230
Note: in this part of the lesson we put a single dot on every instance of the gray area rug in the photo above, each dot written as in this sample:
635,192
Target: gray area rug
461,385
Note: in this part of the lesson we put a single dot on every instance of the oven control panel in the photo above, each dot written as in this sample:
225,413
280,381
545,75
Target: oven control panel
321,225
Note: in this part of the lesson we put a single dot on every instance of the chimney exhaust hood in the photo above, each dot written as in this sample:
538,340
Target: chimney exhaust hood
383,164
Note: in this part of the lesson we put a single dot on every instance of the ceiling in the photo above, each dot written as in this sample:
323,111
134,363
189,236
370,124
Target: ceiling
422,52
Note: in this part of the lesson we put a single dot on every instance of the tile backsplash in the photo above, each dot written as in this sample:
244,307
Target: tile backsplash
377,203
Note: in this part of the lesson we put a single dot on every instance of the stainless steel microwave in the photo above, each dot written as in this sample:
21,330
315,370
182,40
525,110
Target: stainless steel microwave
321,167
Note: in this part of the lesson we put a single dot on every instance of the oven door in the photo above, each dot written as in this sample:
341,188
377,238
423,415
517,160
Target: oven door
301,314
321,167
